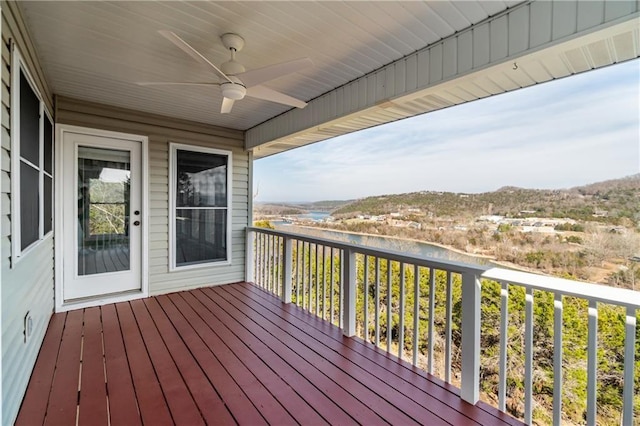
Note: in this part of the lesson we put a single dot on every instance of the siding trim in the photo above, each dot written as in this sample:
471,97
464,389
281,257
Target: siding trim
60,305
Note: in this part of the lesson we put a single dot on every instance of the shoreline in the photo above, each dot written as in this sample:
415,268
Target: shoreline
442,246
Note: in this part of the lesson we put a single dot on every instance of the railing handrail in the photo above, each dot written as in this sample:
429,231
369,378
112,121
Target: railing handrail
420,260
586,290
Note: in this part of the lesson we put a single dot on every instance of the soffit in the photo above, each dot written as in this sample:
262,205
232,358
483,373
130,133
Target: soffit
529,44
96,51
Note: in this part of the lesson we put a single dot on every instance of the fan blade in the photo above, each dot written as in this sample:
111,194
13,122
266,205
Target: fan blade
262,92
271,72
174,83
227,104
186,47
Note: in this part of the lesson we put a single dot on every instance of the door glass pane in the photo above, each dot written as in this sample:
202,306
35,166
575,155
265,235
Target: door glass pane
201,236
103,210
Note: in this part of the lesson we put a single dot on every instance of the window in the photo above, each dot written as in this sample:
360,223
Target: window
200,206
32,162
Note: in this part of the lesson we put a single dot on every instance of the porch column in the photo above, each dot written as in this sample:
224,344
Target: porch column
470,383
349,293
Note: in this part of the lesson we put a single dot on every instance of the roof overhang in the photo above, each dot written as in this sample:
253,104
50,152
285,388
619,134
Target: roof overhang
532,43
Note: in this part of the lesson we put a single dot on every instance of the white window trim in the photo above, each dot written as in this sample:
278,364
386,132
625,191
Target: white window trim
18,65
173,148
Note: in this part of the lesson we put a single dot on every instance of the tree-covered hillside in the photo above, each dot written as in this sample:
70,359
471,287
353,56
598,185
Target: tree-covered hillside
615,201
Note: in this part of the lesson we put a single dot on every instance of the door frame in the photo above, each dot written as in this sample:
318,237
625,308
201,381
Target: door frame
59,231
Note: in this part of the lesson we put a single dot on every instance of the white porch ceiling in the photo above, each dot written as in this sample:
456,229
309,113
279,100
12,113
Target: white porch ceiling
375,62
96,51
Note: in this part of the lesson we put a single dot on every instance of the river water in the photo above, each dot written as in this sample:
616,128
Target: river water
388,243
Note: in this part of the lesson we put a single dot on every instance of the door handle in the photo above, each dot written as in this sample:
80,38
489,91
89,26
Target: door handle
136,223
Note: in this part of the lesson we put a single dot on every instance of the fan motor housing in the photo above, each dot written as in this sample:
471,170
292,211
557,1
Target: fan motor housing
233,90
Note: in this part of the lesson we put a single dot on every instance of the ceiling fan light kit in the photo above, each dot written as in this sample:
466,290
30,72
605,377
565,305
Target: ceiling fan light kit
234,81
235,90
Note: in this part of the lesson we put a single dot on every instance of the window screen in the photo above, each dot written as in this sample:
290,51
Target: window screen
201,208
48,146
29,122
29,205
48,204
32,174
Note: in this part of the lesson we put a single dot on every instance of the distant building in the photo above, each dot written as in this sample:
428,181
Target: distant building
490,218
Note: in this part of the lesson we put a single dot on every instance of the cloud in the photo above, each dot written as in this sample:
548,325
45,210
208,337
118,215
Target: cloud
559,134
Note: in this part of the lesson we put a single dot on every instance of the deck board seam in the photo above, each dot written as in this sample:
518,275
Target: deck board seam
351,367
253,349
311,319
153,334
224,365
233,354
409,369
319,375
166,304
180,365
247,347
145,357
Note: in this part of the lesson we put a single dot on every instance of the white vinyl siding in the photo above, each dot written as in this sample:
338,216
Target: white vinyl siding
28,285
161,132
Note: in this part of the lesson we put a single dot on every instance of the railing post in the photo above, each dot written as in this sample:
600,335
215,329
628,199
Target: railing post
287,264
470,346
349,293
250,253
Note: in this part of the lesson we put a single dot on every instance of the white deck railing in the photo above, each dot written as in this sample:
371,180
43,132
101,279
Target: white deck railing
364,290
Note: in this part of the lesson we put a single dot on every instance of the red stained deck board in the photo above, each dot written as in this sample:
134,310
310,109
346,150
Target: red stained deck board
204,394
37,395
93,388
260,396
423,408
123,406
183,408
356,409
243,411
389,362
63,401
151,401
289,387
348,375
226,355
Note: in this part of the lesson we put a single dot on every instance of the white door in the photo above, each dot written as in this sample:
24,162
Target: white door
101,216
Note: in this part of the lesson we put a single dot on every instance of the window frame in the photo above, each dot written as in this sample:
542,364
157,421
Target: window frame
173,169
18,68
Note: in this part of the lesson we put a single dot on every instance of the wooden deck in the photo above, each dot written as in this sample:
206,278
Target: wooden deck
226,355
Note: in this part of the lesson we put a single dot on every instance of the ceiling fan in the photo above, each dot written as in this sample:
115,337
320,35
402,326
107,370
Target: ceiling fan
234,81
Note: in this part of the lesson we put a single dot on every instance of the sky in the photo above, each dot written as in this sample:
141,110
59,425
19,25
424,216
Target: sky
559,134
